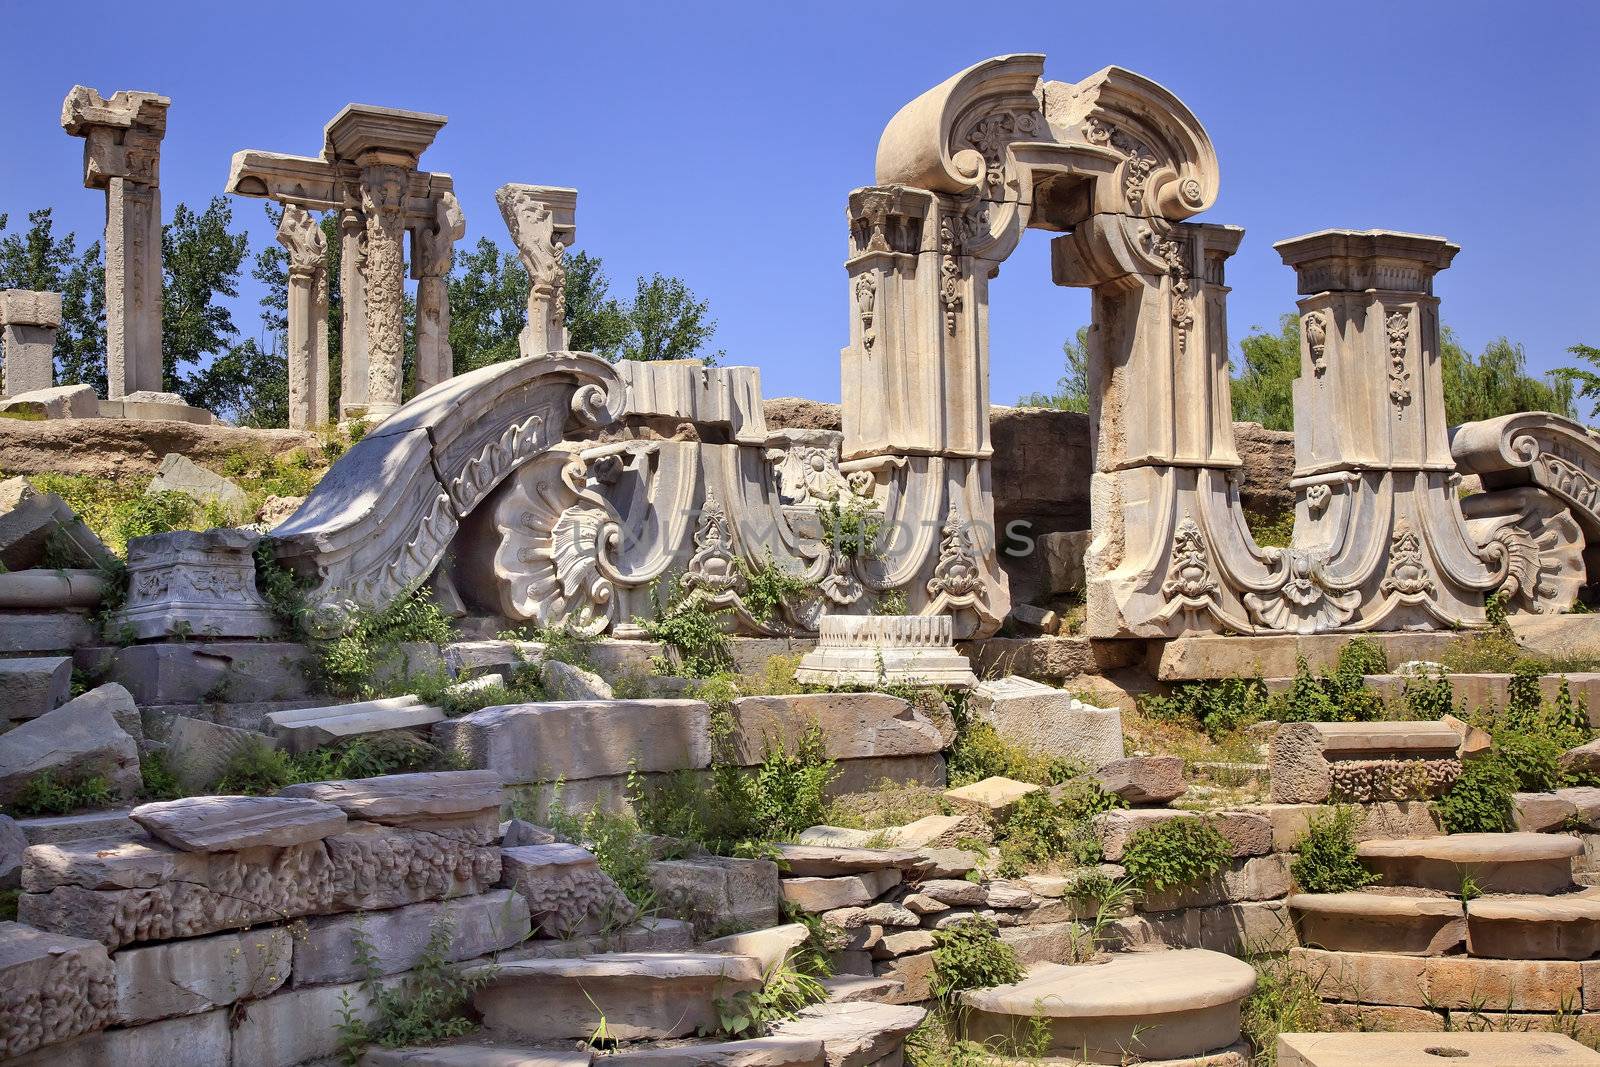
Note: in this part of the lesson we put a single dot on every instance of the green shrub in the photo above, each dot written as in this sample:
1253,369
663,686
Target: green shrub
1042,829
1480,799
1429,697
429,1004
8,904
254,769
769,587
740,811
695,633
785,991
47,794
969,954
349,665
979,752
1533,757
282,589
1218,707
1175,853
1327,860
1568,719
1341,696
159,781
851,529
1362,655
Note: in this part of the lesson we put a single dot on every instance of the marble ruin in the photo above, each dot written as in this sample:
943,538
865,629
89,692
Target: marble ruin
368,175
864,579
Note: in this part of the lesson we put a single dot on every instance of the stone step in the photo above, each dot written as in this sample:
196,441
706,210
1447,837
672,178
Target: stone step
1152,1005
1497,863
854,1034
1484,1049
1564,927
303,729
1378,922
624,996
475,1055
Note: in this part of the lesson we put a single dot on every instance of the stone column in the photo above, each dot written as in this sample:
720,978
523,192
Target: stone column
122,155
300,233
30,321
1374,475
383,190
542,221
432,248
353,373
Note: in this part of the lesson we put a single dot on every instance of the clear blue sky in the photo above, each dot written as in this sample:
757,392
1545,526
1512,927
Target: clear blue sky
718,142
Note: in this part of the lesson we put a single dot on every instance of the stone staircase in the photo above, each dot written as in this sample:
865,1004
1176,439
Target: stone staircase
1180,1005
1463,932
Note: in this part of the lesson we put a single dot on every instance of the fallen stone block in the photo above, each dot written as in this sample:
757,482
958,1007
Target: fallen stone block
299,1026
56,402
514,832
146,891
54,631
228,824
1379,922
1360,762
1565,927
813,861
941,831
1040,718
718,894
564,681
199,974
198,751
30,521
199,583
817,895
80,739
1488,1048
1498,863
52,590
12,844
854,1034
180,474
748,1052
994,797
303,729
398,938
1542,812
576,740
57,829
439,801
567,893
52,987
210,671
1250,835
34,685
853,725
768,947
1143,779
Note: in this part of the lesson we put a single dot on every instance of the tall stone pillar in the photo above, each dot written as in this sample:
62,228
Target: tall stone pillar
122,155
301,235
29,321
383,189
543,224
353,372
430,264
1374,476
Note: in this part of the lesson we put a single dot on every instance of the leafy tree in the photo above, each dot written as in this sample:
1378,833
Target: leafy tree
1586,381
247,384
1271,362
665,321
595,321
1072,388
201,260
1496,383
488,306
40,260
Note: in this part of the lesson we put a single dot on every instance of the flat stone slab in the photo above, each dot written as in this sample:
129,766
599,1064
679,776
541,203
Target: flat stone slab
1499,863
199,974
227,824
639,995
1143,779
817,895
302,729
1155,1004
1564,927
1379,922
398,799
995,795
473,1056
34,684
479,925
577,740
816,861
854,1033
1479,1049
751,1052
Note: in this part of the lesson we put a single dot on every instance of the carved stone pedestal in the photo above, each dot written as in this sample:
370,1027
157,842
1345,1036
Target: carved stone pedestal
199,584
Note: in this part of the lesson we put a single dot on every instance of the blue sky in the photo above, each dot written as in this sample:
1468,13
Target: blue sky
718,141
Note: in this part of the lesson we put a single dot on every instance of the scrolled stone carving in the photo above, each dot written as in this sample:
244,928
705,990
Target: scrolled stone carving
1314,327
1536,448
302,237
540,219
1539,539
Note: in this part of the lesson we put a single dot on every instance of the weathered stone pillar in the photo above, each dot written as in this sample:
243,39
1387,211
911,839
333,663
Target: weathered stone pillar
30,321
542,221
353,372
383,190
301,235
432,248
122,155
1374,476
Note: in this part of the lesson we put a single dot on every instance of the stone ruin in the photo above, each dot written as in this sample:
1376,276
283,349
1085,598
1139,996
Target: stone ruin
555,489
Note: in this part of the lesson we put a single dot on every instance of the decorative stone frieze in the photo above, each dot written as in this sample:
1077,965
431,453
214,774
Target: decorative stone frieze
52,987
1363,762
193,583
122,155
886,650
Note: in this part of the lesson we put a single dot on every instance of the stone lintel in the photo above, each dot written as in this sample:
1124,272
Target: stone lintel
1362,260
27,307
320,185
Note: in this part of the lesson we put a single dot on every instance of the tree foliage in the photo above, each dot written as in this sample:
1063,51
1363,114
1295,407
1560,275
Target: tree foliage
1586,381
40,260
1495,382
1072,388
201,261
